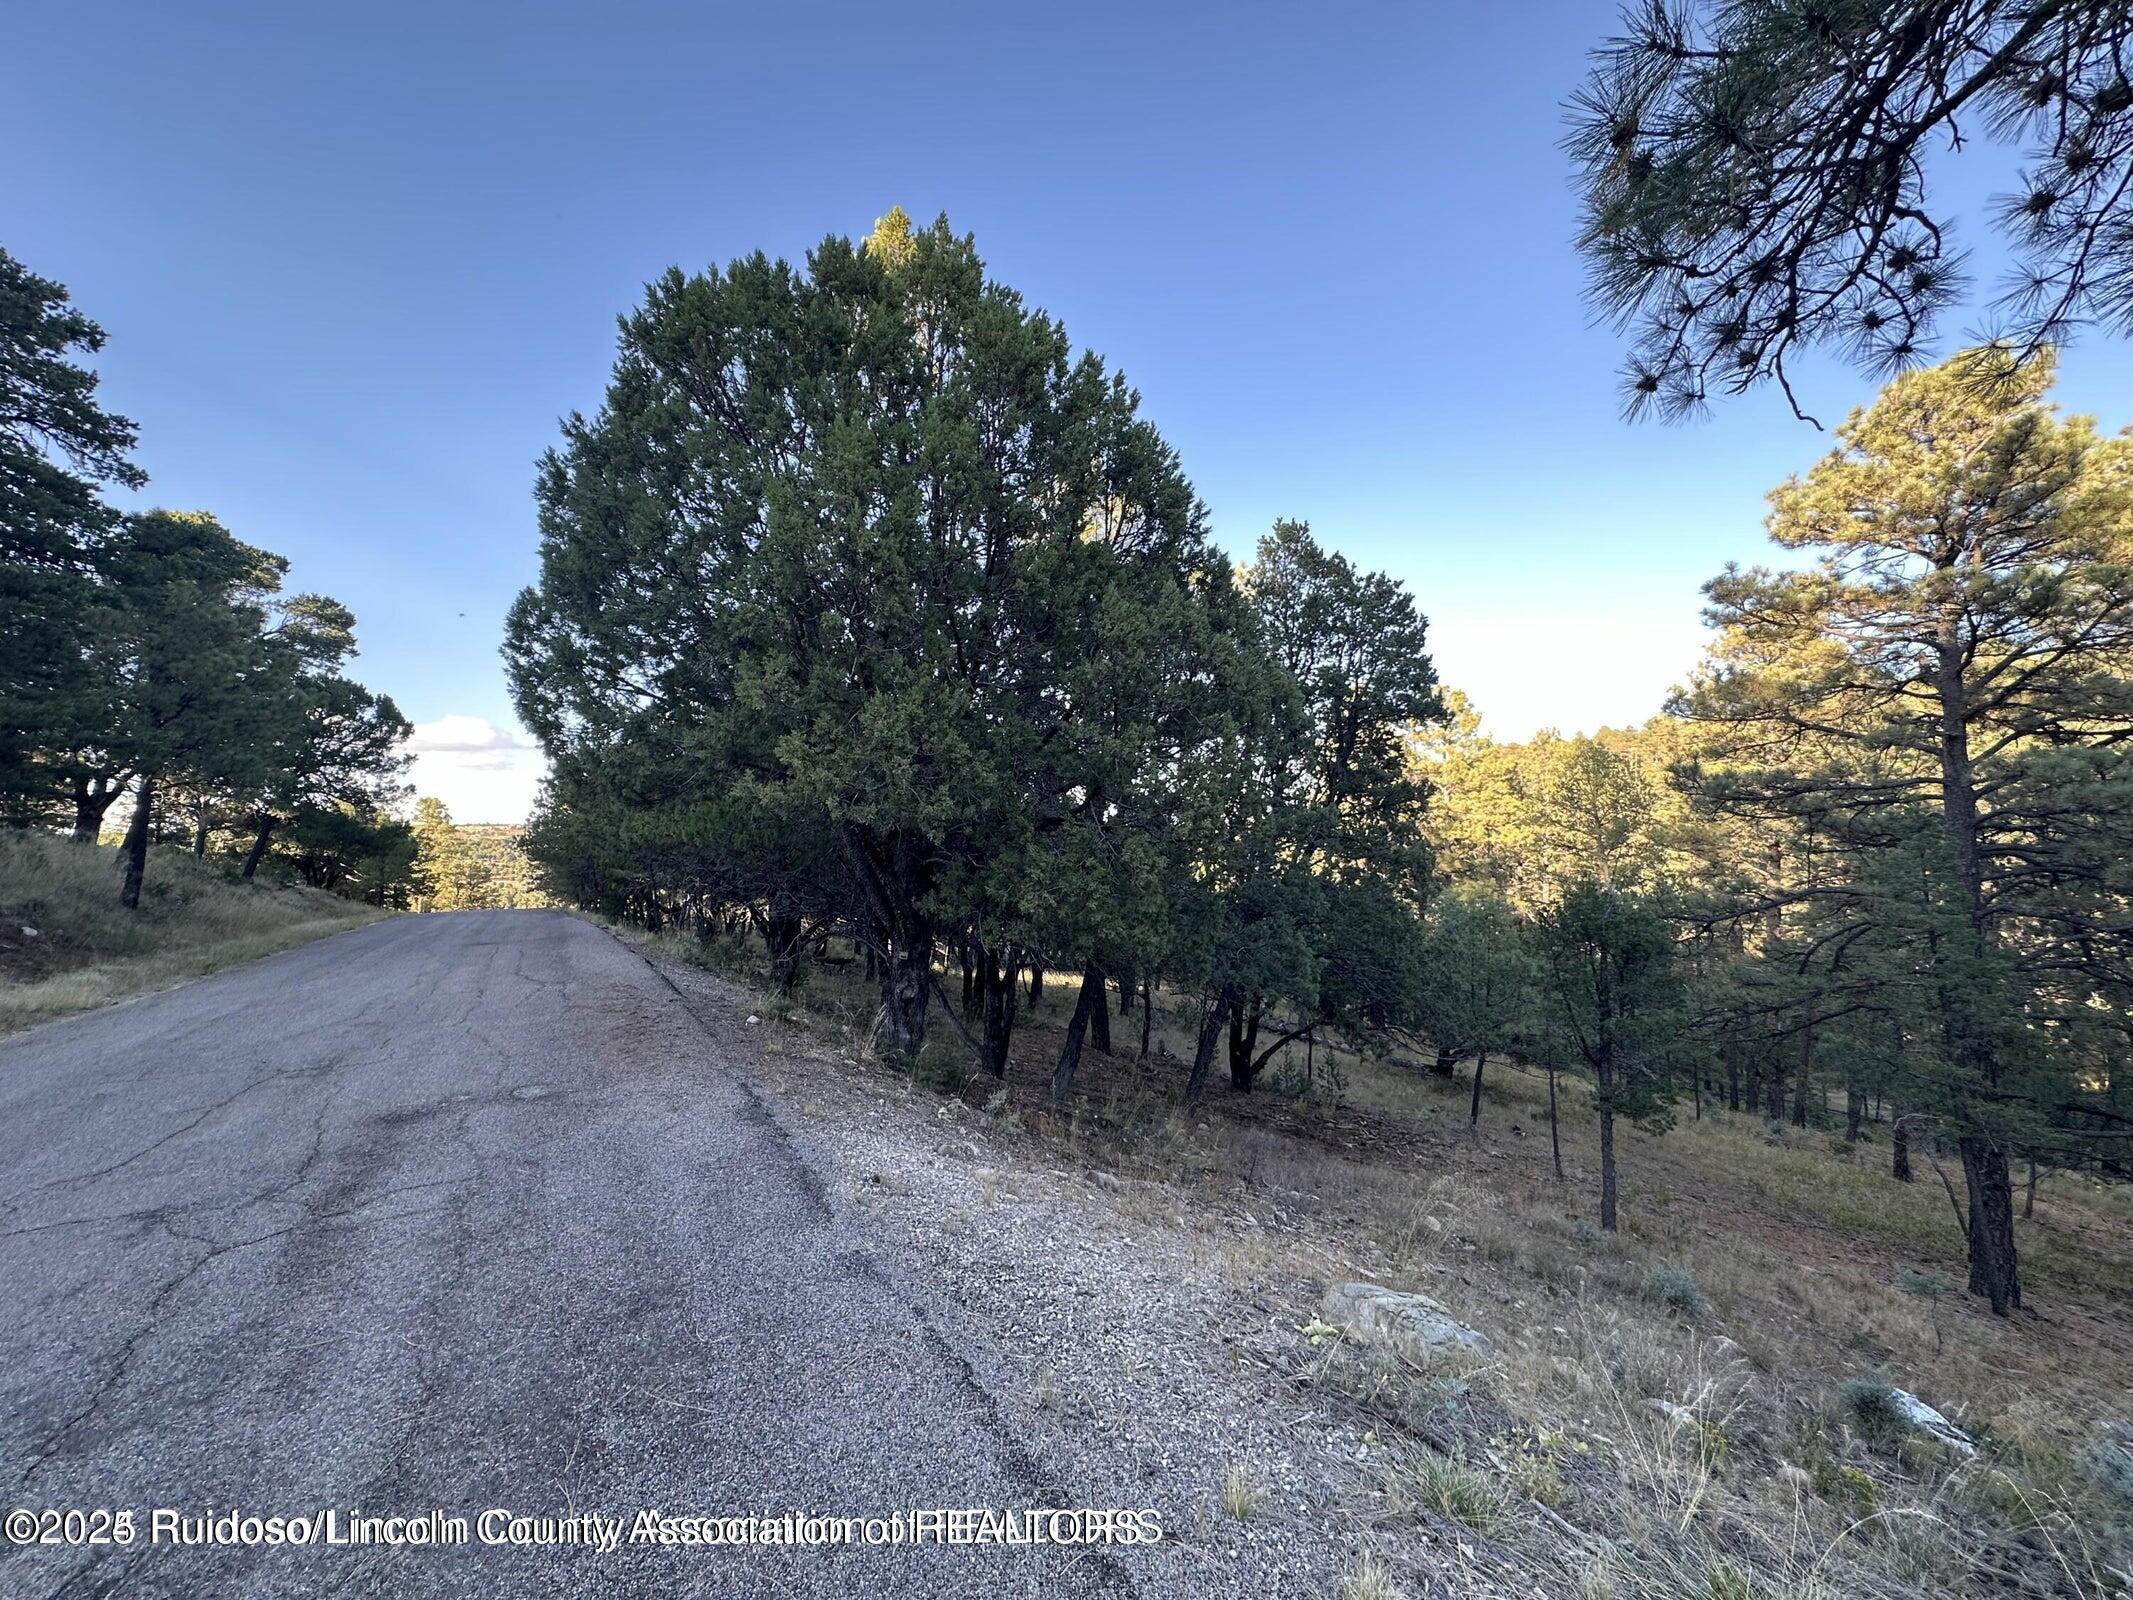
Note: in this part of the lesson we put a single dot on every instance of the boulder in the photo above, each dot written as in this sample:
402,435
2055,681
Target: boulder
1923,1419
1410,1325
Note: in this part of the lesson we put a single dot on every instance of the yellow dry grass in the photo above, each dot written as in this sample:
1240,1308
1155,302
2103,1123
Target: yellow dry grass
67,945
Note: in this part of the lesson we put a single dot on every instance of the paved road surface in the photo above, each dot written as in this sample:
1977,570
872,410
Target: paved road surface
455,1212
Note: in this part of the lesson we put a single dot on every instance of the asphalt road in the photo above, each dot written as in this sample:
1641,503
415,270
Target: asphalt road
458,1213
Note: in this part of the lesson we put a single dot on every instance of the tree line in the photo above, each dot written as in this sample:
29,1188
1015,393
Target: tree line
153,656
869,609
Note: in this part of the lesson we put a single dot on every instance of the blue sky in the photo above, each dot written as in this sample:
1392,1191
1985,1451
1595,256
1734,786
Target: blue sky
356,261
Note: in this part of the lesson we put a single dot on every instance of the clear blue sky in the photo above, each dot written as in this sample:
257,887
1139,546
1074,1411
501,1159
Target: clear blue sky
356,261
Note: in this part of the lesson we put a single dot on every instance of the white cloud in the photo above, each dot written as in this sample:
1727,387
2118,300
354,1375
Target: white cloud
482,772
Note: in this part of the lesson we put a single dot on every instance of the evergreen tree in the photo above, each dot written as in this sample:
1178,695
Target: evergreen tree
1755,178
1943,696
873,546
56,443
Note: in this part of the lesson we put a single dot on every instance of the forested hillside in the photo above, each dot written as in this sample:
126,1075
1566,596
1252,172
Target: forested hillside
470,866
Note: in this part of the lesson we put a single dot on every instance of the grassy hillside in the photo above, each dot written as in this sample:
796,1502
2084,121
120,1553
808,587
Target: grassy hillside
1690,1410
67,945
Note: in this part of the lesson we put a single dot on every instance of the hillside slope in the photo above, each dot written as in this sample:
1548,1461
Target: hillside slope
67,945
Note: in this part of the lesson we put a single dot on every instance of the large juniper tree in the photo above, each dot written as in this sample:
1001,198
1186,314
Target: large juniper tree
873,547
1943,697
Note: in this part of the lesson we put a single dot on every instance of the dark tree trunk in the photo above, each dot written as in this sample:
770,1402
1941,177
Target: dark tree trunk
905,985
1126,989
136,852
1607,1167
1854,1111
258,852
1099,1009
1755,1088
1900,1147
1777,1088
92,798
1147,1014
2029,1193
1555,1135
1473,1110
200,831
1243,1046
1203,1058
1036,984
998,993
1089,1006
1992,1243
782,941
1442,1066
968,957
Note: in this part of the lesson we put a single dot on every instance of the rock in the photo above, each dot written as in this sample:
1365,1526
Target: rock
1922,1418
28,932
1679,1415
753,1020
1412,1325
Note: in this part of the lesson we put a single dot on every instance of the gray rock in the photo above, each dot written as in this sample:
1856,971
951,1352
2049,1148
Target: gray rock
1922,1418
1411,1325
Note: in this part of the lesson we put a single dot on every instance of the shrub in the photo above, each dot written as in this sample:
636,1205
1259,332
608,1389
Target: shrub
1240,1495
1675,1288
1869,1405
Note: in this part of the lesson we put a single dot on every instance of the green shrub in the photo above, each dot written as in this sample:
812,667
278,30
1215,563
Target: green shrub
1869,1405
1675,1288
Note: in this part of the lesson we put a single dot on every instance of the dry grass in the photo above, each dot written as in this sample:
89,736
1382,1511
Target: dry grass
1663,1416
87,950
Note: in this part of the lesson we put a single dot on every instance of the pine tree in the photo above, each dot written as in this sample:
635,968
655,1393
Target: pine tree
1943,698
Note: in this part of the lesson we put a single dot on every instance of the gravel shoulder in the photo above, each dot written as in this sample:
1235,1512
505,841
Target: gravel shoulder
1146,1338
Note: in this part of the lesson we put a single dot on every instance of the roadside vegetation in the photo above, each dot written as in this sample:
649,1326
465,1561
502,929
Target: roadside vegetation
67,945
1695,1405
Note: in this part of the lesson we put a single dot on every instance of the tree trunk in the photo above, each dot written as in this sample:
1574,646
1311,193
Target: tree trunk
257,853
998,993
1087,1007
1099,1009
905,986
968,957
1854,1111
1473,1110
1243,1045
1555,1136
1147,1014
1442,1066
1607,1166
781,939
200,829
1993,1271
136,853
1900,1145
1036,984
1203,1057
2029,1193
92,798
